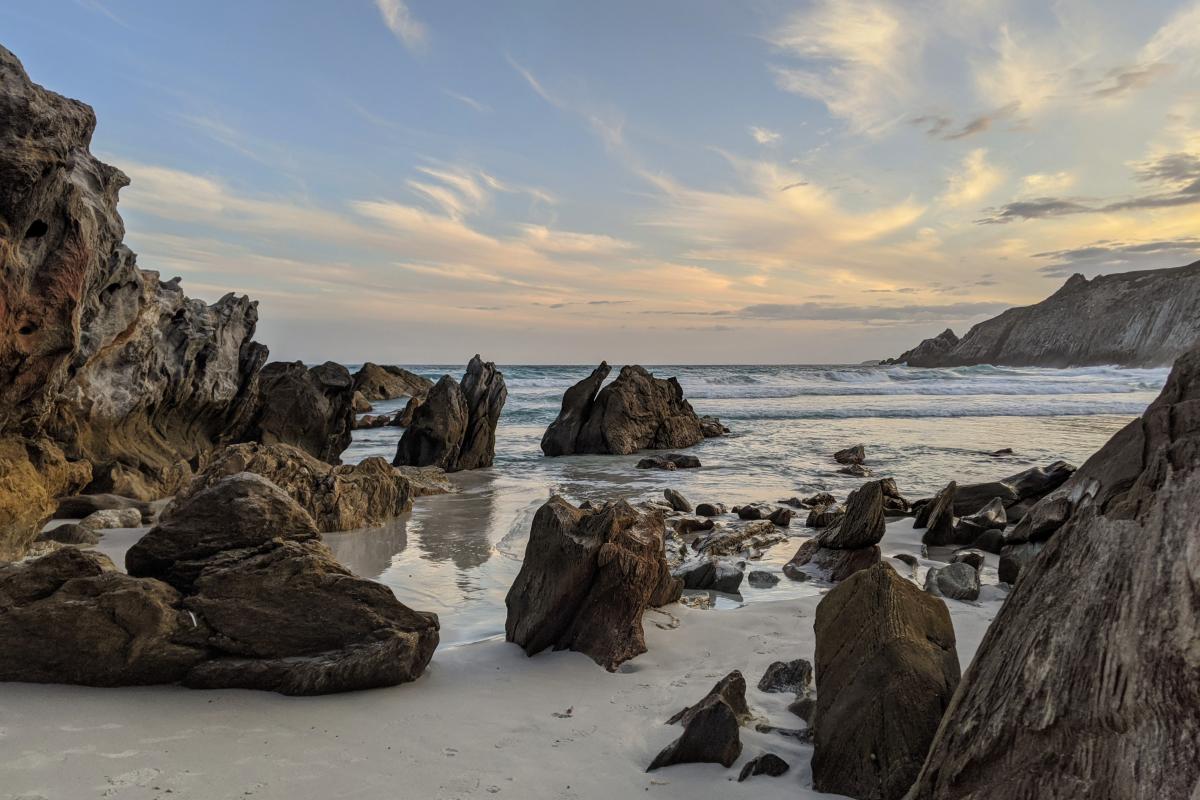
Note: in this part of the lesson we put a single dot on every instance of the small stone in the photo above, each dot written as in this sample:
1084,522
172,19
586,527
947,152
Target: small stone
766,764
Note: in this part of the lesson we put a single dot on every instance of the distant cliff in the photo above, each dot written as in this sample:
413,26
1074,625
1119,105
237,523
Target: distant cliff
1132,319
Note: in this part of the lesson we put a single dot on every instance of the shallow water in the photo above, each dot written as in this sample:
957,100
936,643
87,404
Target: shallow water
457,554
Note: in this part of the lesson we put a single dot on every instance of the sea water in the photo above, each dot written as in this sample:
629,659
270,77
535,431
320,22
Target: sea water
457,554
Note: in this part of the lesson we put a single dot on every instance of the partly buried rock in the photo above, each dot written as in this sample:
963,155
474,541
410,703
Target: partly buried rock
710,574
455,427
112,518
710,509
338,498
387,382
991,517
1086,683
80,505
780,517
937,517
886,668
787,676
851,455
587,578
70,533
312,409
637,411
710,728
958,581
747,541
761,579
856,470
828,563
850,544
670,462
767,764
712,427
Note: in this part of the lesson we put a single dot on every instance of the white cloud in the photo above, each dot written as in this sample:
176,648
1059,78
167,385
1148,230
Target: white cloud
974,180
470,102
400,21
1043,184
765,136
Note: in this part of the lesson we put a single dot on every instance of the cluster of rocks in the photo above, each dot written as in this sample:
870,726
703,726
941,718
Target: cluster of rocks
232,589
376,382
853,461
637,411
587,577
454,427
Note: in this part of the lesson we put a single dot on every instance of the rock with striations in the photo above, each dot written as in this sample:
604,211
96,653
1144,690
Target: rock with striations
454,427
340,498
1144,318
386,382
637,411
587,578
886,668
937,517
33,472
863,523
310,408
829,563
1107,613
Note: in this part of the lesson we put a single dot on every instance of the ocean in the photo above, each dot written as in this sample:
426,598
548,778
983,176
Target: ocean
458,554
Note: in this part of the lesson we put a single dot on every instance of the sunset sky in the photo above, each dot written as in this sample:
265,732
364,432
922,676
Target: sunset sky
663,181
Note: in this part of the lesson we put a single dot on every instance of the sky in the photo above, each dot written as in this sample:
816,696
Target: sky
655,181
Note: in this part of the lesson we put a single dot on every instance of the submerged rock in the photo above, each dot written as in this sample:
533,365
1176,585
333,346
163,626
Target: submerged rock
886,667
637,411
677,501
856,454
587,578
455,426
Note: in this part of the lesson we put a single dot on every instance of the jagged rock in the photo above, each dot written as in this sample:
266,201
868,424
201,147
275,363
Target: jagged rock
1085,684
833,564
70,617
1144,318
958,581
967,530
730,690
711,427
746,540
929,353
710,574
856,454
80,505
787,676
709,736
862,525
339,498
312,409
937,517
587,578
894,503
767,764
32,473
886,668
824,516
1013,491
455,426
710,509
635,412
780,517
70,533
387,382
677,501
761,579
112,518
404,417
972,497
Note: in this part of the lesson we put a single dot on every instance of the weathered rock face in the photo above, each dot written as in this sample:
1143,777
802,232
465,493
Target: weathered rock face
886,669
312,409
937,517
455,426
637,411
929,352
33,472
587,578
1133,319
1108,611
387,382
338,498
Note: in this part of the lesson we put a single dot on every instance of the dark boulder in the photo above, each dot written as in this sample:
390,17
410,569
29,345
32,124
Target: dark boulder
587,578
312,409
856,454
710,574
711,427
863,523
70,533
1014,558
958,581
709,736
856,470
787,676
710,509
820,499
767,764
387,382
682,461
81,505
972,557
454,428
780,517
930,352
730,690
937,517
761,579
560,438
677,501
886,668
654,462
748,512
824,516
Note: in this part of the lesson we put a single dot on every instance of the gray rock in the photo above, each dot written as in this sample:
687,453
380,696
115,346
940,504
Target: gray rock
780,517
80,505
112,518
766,764
70,533
787,676
309,408
677,501
975,559
862,525
958,581
387,382
710,574
761,579
1014,558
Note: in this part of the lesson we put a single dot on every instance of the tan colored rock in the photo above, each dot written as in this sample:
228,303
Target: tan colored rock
33,472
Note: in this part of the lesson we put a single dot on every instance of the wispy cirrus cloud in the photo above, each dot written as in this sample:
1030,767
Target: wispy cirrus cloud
764,136
400,21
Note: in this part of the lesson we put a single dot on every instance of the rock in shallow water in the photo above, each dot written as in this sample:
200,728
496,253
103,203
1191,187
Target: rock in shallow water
454,428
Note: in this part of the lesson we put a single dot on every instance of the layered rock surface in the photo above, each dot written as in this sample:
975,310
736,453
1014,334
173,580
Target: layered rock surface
637,411
1087,681
1134,319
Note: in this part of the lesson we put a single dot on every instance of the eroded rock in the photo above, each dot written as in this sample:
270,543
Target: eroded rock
454,428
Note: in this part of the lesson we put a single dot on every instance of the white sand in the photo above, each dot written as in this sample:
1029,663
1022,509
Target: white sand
481,722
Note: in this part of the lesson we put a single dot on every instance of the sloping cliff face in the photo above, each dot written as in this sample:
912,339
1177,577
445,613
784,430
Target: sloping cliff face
107,374
1133,319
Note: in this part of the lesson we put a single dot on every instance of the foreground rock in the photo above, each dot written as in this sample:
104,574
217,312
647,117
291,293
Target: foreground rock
375,382
454,428
886,668
1145,318
587,578
710,728
637,411
1108,613
339,498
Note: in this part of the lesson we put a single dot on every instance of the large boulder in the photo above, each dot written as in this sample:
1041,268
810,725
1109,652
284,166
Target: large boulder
309,408
587,578
637,411
339,498
454,427
386,382
33,472
1086,683
886,668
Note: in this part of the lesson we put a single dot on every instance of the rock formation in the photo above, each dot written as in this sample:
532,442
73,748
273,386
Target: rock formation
455,426
849,544
587,578
710,727
338,498
637,411
886,669
387,382
1145,318
1086,683
311,408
